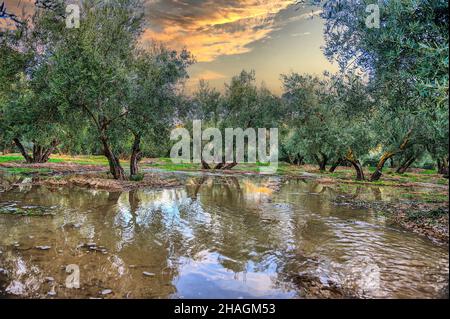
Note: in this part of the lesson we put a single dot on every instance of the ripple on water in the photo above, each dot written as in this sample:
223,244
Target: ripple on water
213,238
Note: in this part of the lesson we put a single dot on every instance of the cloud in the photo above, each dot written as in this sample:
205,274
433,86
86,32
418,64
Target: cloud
306,15
212,28
300,34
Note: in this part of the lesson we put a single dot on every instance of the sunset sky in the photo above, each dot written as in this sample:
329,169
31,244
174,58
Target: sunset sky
270,36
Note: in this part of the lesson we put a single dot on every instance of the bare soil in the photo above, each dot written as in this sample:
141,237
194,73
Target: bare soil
97,181
58,167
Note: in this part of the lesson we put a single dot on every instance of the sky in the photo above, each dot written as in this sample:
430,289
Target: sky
272,37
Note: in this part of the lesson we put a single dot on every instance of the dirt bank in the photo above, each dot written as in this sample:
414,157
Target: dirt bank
57,168
98,181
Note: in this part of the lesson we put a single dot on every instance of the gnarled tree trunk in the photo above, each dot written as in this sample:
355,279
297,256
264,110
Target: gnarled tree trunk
336,165
23,151
228,166
205,165
296,159
356,165
40,154
114,165
321,161
136,155
299,160
49,151
379,170
443,166
223,165
405,165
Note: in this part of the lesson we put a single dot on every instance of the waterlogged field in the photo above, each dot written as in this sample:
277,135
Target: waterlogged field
213,237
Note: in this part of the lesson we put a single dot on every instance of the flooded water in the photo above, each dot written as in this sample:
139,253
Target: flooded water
215,237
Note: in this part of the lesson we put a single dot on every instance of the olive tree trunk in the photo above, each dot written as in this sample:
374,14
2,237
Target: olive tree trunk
356,165
115,168
405,165
322,161
443,166
336,165
386,156
40,154
136,155
23,151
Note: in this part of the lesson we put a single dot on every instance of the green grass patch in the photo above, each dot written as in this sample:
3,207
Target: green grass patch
84,160
428,172
56,160
81,160
10,158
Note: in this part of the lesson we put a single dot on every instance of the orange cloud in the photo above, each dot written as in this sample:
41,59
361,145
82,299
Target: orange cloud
210,29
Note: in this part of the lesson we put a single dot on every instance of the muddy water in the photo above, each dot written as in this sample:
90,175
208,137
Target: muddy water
215,237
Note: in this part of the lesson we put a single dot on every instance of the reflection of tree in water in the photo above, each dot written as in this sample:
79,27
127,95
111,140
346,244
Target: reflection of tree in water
88,217
377,193
133,199
236,229
221,188
238,223
154,232
7,182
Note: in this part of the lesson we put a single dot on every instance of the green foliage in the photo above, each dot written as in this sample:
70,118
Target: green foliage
411,43
406,65
96,90
328,117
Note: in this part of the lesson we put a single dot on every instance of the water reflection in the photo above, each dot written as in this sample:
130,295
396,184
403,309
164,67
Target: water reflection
217,237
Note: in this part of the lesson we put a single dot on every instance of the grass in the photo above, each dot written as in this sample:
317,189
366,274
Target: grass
81,160
9,159
19,159
428,172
